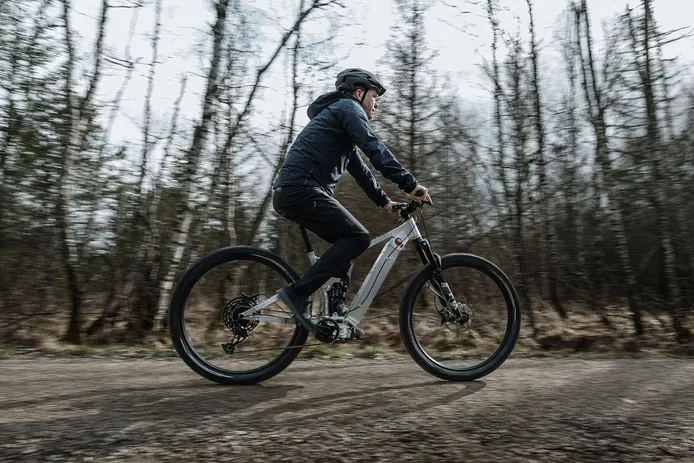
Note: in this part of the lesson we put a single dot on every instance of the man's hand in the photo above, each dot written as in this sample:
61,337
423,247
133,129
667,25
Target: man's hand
389,207
421,193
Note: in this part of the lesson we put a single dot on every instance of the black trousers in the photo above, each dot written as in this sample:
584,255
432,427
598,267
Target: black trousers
327,218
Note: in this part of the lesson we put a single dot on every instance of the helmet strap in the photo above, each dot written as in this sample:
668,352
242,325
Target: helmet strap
363,95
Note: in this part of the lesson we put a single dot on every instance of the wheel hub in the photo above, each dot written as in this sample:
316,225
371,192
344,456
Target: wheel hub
459,316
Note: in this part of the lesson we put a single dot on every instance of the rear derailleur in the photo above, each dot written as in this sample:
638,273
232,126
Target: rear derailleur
240,328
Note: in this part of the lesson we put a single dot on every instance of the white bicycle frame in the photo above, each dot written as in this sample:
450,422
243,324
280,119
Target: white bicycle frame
399,237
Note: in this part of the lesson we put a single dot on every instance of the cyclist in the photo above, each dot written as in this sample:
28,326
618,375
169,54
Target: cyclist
305,184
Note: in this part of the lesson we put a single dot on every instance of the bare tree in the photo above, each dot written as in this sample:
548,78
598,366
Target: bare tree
147,142
77,120
288,138
573,271
642,42
409,117
521,166
511,164
494,75
11,129
237,48
547,243
138,281
597,103
193,155
201,135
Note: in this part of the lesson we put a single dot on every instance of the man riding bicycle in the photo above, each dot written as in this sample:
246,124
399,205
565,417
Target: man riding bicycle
305,184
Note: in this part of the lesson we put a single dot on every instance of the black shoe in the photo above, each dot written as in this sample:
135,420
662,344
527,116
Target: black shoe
298,304
358,333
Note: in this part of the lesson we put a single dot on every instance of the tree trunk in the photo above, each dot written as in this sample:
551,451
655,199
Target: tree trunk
596,109
547,243
192,160
661,180
77,128
287,141
498,95
516,101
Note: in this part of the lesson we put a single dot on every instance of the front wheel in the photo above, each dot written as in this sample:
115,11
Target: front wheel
469,336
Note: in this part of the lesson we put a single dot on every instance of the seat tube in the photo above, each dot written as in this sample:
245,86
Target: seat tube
373,281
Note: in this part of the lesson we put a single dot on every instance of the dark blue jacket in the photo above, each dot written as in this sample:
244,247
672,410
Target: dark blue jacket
327,146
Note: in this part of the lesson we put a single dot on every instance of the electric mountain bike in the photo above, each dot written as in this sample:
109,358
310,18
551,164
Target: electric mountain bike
459,316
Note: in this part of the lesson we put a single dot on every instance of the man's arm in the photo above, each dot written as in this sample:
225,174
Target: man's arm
366,180
354,121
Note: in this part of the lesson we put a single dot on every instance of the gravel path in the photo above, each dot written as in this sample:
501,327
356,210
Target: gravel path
347,410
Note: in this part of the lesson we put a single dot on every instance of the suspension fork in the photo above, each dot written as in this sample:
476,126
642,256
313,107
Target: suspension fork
427,256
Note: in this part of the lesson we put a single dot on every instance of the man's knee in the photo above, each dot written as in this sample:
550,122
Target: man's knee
362,240
354,243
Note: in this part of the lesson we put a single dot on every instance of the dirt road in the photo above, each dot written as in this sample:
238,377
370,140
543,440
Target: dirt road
347,410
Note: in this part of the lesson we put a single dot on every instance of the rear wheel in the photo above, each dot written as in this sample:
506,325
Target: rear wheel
471,340
205,324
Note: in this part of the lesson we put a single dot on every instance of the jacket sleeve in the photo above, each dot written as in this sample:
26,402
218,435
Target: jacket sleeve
366,180
354,121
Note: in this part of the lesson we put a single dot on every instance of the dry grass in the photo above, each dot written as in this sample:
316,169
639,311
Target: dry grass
581,332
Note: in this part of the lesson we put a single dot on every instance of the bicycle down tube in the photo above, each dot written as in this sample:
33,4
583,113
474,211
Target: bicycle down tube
399,237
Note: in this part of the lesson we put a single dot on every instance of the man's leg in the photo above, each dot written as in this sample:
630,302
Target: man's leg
327,218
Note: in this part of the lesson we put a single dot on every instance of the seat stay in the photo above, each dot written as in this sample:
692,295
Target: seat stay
258,307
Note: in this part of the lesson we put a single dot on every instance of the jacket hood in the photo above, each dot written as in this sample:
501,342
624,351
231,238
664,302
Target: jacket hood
323,101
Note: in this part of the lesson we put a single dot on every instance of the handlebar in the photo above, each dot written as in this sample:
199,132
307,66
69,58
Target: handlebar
407,209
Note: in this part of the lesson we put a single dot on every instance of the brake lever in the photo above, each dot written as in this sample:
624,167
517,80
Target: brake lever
397,207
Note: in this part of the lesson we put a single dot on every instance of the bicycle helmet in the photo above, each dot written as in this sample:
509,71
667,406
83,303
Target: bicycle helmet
353,78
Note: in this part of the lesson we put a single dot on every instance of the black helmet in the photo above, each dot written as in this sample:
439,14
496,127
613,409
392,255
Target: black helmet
354,78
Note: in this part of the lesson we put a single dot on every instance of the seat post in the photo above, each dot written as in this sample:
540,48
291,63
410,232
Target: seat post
309,248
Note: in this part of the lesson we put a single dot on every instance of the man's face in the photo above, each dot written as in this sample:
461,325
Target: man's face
369,103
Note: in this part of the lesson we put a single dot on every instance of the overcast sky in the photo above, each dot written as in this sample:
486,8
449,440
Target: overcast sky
185,23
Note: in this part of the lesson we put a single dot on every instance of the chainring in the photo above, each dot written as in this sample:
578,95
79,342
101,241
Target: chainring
328,331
